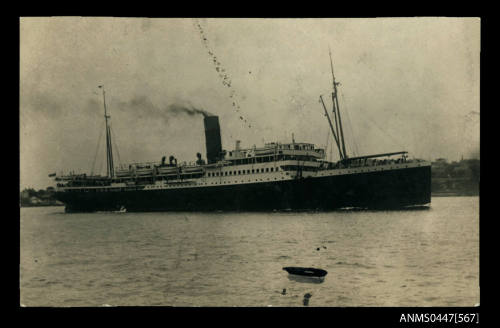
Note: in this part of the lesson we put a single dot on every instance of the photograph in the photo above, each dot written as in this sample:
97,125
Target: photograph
249,162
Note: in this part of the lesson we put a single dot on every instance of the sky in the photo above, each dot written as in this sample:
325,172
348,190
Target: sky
405,84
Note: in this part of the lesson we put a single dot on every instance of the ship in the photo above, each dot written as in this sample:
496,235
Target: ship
275,176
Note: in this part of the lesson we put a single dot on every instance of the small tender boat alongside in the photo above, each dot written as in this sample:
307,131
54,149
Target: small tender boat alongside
121,210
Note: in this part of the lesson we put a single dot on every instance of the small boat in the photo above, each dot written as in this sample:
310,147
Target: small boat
122,210
308,273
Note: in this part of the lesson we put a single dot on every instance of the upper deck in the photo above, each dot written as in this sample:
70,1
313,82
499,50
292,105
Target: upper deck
303,150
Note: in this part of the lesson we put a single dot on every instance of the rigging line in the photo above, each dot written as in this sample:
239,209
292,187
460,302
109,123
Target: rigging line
331,152
100,167
326,146
97,150
382,130
116,145
100,161
350,125
327,139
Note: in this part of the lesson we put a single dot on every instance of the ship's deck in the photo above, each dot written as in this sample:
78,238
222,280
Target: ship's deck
244,174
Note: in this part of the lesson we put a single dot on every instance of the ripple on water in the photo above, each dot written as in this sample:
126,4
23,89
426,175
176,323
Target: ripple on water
52,282
342,298
430,298
355,264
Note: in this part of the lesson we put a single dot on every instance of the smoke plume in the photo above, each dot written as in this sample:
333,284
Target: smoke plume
189,110
143,108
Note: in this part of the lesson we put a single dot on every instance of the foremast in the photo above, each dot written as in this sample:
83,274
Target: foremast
109,148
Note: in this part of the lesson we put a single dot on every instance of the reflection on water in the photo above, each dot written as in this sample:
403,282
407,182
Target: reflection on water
306,280
373,258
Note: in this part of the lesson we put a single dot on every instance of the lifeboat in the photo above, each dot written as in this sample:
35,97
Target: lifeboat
167,169
122,173
193,169
144,171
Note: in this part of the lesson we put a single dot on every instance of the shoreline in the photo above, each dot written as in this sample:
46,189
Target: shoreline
439,194
39,205
452,194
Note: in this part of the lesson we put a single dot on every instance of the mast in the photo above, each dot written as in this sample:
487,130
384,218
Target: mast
335,115
334,95
331,127
109,150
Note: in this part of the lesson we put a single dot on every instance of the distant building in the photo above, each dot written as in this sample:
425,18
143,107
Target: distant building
25,194
35,200
440,161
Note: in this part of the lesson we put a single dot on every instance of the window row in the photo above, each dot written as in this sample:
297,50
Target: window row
239,172
265,159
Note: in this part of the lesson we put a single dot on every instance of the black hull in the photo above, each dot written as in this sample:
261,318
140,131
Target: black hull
392,189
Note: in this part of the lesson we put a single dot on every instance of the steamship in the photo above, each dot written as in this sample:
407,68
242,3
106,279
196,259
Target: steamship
275,176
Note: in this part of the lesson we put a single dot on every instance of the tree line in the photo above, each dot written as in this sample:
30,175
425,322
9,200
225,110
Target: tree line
459,178
42,197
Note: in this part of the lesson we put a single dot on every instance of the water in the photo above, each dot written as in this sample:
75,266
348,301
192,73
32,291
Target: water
373,258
